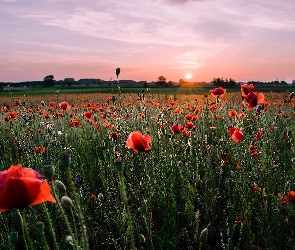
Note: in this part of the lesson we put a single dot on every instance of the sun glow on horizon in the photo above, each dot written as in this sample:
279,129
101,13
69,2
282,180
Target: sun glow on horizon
188,76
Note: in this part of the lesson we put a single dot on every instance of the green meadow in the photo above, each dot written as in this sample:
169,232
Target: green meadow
196,187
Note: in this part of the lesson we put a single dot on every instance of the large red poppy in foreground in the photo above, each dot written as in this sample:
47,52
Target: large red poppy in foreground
139,142
21,187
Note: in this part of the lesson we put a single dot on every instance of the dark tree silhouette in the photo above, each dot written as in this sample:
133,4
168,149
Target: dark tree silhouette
161,80
48,81
224,83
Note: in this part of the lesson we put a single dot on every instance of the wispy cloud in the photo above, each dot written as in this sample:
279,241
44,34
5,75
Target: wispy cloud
183,1
155,34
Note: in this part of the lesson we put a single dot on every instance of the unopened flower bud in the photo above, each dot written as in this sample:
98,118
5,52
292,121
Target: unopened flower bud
142,210
13,236
65,161
204,234
69,239
60,186
48,171
40,226
119,166
100,196
141,238
66,201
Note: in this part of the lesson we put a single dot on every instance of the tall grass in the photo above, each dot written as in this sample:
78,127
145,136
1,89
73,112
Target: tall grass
199,190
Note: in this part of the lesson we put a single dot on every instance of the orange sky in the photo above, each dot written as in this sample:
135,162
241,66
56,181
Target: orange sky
243,40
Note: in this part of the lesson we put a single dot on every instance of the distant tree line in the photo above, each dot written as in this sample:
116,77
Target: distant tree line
162,82
224,82
49,81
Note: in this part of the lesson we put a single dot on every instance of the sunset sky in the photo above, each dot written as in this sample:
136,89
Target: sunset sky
240,39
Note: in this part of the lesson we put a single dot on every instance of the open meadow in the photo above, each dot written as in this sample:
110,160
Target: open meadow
213,170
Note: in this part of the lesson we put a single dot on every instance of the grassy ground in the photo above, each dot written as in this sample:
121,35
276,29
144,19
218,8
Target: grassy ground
155,90
200,186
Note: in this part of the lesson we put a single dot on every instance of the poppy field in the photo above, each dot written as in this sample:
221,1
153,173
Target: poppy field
148,171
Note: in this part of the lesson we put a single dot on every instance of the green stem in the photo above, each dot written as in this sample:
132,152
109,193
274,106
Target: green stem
50,226
83,227
147,225
4,231
27,239
74,222
45,241
124,196
65,218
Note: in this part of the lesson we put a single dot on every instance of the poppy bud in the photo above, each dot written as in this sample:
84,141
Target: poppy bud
141,237
40,226
203,235
65,160
117,72
69,239
100,196
48,171
142,210
66,201
60,186
119,166
13,236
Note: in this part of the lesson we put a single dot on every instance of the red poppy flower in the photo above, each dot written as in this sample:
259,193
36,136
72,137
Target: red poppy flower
40,149
232,113
87,115
259,133
190,117
186,133
64,106
51,104
189,125
4,109
253,99
16,103
21,187
176,128
75,123
139,142
238,222
290,198
246,89
12,115
236,134
114,135
225,158
218,92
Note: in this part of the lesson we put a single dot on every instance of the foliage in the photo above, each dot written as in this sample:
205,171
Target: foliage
69,81
220,82
161,80
48,81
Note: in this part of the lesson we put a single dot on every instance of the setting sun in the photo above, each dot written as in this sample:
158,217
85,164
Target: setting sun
188,76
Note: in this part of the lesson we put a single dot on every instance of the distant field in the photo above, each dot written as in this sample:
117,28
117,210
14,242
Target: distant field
154,90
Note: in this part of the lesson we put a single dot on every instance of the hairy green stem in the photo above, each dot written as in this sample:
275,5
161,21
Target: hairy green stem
50,226
65,218
124,196
83,227
27,239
